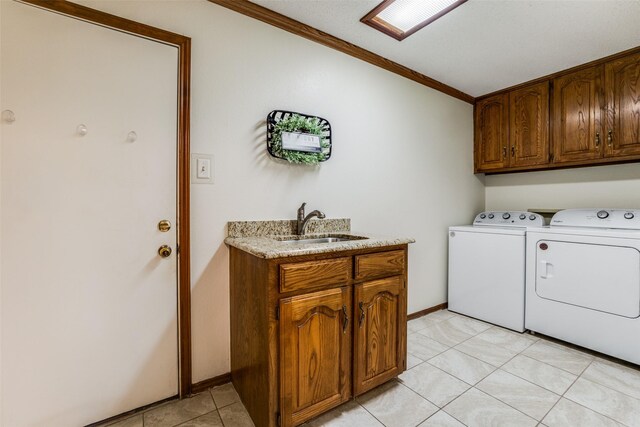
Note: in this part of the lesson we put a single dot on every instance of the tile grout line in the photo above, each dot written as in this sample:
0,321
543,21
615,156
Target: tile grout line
473,386
565,392
505,403
592,409
533,341
516,375
449,403
604,385
442,410
579,404
562,369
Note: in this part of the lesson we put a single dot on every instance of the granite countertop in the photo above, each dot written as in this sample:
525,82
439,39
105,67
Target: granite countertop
259,238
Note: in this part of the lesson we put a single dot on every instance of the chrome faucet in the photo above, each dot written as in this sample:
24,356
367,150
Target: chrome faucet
302,220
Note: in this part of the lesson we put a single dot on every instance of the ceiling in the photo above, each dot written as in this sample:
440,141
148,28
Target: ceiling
485,45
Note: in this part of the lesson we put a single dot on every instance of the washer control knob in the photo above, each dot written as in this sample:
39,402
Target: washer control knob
506,215
532,217
482,216
628,215
522,216
491,216
603,214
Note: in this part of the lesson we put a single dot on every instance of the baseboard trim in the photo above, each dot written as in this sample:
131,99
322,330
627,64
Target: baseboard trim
210,382
427,311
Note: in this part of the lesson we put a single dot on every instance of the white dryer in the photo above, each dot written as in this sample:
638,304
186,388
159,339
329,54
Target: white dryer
487,267
583,280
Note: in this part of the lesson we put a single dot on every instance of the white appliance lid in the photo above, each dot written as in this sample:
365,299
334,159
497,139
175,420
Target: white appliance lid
508,219
624,219
514,231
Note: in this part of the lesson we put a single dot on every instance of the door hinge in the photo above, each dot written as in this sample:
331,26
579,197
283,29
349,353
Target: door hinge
278,419
278,312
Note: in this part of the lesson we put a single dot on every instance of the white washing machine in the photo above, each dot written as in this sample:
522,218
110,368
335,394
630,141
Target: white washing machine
487,267
583,280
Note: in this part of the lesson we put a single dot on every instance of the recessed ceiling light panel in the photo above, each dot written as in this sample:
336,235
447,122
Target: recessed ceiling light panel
401,18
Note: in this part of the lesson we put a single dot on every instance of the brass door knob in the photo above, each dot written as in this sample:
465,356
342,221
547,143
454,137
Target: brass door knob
164,251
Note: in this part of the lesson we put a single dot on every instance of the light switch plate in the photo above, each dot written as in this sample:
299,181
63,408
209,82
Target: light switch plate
202,168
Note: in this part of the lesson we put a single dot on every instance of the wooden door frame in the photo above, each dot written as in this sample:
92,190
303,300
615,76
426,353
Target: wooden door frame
183,44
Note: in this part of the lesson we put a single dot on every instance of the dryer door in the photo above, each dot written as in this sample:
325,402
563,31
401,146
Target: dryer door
599,277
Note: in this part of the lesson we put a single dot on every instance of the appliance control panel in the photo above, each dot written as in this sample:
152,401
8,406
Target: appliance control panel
598,218
509,219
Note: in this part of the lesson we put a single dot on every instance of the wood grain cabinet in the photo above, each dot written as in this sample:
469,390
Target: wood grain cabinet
311,332
315,353
529,125
577,108
492,133
512,129
586,116
380,309
622,90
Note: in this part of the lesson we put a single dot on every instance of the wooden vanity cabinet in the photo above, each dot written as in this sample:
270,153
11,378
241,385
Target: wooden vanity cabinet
311,332
379,338
315,353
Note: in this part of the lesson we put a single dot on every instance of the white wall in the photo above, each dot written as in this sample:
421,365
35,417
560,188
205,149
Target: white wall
1,124
402,152
616,186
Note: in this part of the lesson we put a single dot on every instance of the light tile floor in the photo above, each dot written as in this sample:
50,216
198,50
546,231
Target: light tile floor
462,372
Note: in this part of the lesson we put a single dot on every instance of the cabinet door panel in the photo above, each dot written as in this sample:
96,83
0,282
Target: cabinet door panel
492,133
577,130
622,83
529,125
380,332
315,350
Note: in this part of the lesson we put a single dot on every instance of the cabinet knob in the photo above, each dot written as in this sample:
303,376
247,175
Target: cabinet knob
597,139
504,152
610,138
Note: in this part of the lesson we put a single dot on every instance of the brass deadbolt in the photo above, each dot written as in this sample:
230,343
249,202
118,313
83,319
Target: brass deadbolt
164,251
164,225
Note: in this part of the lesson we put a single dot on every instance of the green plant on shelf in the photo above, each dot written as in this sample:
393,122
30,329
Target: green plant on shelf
297,123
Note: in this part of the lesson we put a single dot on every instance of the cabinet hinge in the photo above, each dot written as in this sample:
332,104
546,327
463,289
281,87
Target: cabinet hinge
278,312
278,419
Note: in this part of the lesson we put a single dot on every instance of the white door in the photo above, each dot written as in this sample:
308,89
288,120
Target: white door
89,310
601,275
486,275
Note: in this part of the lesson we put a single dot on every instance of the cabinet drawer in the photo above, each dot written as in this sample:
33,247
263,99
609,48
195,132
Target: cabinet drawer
312,274
379,265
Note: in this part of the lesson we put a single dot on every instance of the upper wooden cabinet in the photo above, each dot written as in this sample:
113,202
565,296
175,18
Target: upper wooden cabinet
622,88
512,129
577,128
529,125
586,116
492,133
